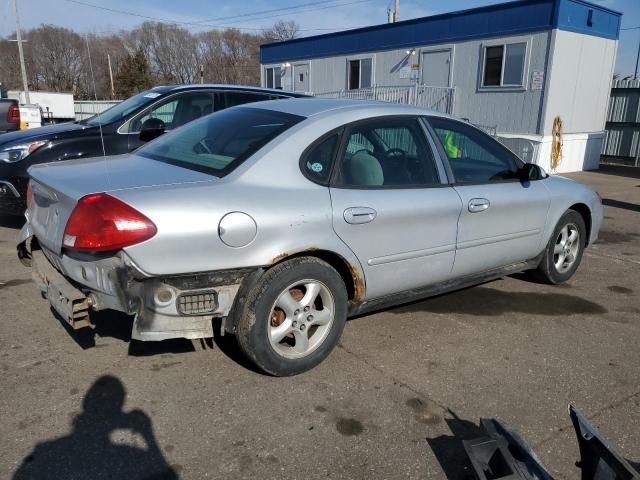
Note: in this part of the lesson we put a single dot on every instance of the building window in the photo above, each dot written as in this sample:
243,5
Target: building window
360,73
274,77
504,65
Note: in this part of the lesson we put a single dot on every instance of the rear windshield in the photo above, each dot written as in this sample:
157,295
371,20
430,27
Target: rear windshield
218,143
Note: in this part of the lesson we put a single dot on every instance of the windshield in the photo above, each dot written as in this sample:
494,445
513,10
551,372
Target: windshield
122,109
220,142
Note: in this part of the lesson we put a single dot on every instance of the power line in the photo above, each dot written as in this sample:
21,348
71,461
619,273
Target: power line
266,11
326,7
203,24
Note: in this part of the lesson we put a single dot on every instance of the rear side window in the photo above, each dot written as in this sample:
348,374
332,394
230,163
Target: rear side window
474,157
318,159
240,98
217,144
387,153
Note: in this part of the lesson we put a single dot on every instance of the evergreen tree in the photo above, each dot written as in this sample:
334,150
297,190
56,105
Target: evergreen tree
133,76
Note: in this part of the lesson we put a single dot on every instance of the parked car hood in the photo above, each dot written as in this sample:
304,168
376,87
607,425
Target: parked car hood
49,132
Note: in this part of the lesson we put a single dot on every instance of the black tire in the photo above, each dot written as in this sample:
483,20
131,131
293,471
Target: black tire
547,270
255,315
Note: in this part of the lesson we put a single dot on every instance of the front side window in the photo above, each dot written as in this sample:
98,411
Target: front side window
360,73
504,65
474,157
177,110
217,144
390,152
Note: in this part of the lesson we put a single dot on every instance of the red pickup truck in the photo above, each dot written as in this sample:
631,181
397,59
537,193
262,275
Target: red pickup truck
9,115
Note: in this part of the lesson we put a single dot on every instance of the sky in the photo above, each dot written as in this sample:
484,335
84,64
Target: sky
313,16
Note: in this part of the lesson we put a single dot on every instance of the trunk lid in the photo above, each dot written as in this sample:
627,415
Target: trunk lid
58,186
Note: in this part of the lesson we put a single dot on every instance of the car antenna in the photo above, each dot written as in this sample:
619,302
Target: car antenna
95,96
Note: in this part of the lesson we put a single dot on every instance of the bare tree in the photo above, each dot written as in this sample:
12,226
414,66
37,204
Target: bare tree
281,30
172,51
57,58
241,57
10,65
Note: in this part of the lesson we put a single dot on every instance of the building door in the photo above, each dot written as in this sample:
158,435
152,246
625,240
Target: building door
436,68
301,77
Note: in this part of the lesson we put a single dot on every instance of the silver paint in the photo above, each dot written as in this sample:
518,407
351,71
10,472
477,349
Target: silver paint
411,237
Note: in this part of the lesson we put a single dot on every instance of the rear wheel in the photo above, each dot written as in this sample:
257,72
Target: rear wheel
564,250
293,316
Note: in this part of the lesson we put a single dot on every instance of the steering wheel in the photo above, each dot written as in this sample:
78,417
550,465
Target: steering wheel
395,152
362,150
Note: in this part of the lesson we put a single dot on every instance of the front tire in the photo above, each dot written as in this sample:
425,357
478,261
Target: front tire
564,251
293,316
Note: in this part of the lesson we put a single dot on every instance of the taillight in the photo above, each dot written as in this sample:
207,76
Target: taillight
101,222
29,196
13,114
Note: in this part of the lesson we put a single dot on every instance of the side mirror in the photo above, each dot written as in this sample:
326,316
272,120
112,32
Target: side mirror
531,171
151,128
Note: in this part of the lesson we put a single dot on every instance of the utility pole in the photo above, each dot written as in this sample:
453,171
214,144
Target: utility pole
25,85
201,73
113,93
635,76
396,12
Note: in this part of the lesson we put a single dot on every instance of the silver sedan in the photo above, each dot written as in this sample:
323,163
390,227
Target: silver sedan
281,219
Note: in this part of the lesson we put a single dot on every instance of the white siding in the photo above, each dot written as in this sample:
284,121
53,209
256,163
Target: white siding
511,110
580,73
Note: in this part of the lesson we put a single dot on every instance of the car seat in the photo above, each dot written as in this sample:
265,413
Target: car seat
363,169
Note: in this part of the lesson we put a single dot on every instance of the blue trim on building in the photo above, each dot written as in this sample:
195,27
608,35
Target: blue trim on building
512,18
582,17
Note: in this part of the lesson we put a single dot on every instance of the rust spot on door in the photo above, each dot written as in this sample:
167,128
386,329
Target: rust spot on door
358,284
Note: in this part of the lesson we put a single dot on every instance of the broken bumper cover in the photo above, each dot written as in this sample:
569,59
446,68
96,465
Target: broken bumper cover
163,307
503,454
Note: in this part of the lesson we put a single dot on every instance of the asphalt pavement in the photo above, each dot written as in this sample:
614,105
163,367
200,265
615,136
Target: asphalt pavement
394,399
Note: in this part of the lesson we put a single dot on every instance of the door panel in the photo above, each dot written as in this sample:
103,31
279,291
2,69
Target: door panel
506,231
407,243
436,68
502,217
391,207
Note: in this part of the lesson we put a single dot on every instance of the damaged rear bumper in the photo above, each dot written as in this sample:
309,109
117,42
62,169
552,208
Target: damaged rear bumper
164,307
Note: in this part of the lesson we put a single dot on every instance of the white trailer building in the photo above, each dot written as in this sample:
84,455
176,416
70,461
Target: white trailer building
514,66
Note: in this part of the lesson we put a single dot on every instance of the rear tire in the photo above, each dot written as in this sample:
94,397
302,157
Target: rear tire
564,251
293,316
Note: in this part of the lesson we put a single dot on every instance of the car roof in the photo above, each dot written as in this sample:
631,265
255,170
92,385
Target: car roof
220,86
308,107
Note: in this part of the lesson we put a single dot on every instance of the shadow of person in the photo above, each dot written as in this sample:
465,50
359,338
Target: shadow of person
89,452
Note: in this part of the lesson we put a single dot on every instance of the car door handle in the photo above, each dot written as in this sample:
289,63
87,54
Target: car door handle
478,205
359,215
